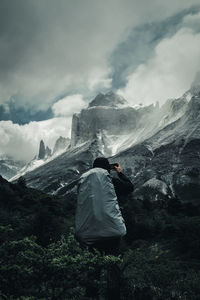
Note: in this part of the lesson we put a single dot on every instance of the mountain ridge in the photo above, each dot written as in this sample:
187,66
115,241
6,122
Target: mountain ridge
153,153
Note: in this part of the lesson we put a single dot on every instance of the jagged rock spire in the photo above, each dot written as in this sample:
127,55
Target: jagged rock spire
42,151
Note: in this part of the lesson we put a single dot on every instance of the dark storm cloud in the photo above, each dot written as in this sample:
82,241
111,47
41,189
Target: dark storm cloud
50,49
20,115
55,54
141,42
18,27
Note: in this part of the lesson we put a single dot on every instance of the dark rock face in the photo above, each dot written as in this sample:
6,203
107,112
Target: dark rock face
119,127
91,122
42,151
106,113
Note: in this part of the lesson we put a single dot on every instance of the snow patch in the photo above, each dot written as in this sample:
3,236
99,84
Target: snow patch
34,164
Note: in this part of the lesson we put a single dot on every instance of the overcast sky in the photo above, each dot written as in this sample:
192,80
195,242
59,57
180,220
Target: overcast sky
60,54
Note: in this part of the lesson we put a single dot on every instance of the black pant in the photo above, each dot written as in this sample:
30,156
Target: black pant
110,246
107,246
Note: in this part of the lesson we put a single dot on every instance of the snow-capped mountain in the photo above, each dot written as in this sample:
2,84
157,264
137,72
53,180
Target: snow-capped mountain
172,156
44,156
9,167
109,100
61,172
158,147
118,127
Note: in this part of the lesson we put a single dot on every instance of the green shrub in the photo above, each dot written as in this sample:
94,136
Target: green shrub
61,271
149,274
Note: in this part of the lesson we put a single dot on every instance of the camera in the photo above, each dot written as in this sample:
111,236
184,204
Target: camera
112,166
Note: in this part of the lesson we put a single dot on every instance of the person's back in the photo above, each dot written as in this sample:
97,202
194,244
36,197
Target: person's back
99,223
98,216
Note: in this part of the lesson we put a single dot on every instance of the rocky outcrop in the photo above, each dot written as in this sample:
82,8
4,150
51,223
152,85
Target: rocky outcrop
44,152
109,100
105,114
60,174
61,143
108,116
94,120
174,159
119,126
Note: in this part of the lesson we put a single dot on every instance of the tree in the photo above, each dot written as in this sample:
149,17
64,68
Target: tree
21,182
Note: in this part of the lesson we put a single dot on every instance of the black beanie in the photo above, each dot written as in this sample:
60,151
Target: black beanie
101,162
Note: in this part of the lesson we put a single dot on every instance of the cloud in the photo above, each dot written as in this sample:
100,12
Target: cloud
139,46
169,72
69,105
192,21
49,49
22,141
21,114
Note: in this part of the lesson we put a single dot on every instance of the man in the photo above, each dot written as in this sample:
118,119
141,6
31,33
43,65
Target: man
99,223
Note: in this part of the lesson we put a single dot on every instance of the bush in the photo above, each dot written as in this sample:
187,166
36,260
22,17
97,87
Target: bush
148,274
61,271
188,236
160,253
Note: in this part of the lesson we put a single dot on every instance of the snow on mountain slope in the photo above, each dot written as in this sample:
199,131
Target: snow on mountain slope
153,144
63,170
120,127
172,156
148,123
44,156
34,164
9,167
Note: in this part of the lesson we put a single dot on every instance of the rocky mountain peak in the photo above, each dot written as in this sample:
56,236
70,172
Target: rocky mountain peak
194,105
43,151
157,146
178,106
61,144
41,154
109,99
195,90
48,151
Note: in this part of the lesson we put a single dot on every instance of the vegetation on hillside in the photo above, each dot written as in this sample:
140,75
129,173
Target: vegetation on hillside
40,259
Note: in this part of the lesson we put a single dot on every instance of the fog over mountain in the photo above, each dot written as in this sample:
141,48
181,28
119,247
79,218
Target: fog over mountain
71,48
158,146
56,58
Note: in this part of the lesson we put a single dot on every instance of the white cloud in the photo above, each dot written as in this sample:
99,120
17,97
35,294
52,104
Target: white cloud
192,21
169,73
69,105
22,141
99,80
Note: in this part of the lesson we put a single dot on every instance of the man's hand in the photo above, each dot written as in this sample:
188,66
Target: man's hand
118,168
